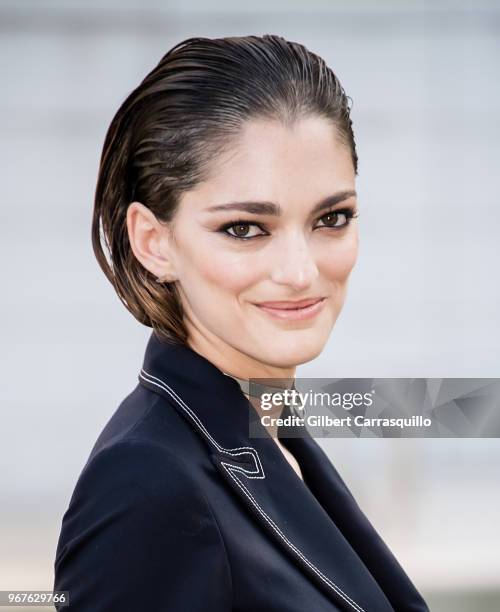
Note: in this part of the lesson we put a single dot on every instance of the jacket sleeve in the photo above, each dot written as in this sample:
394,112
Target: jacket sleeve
139,534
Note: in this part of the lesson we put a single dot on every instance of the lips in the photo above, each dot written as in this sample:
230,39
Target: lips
288,305
293,311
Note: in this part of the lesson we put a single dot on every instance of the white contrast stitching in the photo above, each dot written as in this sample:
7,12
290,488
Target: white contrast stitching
249,474
331,584
258,473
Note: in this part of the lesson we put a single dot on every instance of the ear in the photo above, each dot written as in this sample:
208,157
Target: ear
150,241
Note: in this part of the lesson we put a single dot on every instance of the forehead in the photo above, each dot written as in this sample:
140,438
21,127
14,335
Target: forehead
269,160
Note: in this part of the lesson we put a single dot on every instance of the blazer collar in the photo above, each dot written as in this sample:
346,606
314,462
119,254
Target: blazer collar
310,532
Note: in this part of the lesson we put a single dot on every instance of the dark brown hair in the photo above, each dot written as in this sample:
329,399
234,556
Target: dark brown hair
170,129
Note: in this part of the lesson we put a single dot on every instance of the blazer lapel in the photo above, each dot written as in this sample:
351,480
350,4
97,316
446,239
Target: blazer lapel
294,518
261,477
329,489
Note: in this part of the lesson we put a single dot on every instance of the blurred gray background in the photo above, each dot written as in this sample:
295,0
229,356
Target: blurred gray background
424,297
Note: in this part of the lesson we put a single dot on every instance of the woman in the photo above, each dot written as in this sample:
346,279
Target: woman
226,198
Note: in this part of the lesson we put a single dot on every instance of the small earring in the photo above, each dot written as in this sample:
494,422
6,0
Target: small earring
163,279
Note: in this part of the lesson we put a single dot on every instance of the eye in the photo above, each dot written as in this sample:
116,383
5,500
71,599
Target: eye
240,230
331,219
244,230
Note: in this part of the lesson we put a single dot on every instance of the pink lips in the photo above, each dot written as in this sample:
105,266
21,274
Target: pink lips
295,311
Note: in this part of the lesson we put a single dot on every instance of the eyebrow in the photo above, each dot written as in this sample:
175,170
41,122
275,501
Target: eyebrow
271,208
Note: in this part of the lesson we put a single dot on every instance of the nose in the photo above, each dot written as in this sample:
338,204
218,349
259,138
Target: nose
293,263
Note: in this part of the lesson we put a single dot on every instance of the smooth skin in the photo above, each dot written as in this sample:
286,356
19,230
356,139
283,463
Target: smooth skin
221,273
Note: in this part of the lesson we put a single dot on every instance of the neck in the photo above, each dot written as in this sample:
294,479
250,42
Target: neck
235,363
240,365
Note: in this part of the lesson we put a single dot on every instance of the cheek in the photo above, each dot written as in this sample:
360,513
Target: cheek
224,271
336,262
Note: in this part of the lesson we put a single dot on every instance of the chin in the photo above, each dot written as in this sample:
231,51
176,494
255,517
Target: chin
295,350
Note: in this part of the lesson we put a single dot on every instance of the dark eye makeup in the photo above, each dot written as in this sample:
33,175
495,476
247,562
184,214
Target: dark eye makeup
244,224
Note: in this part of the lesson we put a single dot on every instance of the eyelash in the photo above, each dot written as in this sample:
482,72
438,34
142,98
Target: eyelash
350,213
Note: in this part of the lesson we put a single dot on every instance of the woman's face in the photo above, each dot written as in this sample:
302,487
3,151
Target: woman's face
253,233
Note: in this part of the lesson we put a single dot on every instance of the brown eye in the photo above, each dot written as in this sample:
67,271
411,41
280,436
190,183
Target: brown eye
240,230
330,219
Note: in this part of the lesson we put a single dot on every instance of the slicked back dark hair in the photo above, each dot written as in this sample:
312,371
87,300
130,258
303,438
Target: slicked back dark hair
167,134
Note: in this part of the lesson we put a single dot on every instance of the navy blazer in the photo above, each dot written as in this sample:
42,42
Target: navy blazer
178,509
